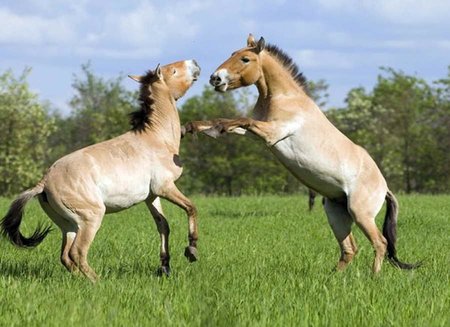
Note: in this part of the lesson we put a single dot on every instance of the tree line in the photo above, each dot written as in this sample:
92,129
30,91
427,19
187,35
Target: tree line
403,122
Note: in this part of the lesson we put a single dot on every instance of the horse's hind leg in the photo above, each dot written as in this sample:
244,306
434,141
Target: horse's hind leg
164,231
341,224
67,240
365,220
69,232
78,252
172,194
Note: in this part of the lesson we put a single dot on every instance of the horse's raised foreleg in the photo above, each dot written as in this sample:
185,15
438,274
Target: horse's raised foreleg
157,204
172,194
206,127
341,224
198,126
265,130
163,228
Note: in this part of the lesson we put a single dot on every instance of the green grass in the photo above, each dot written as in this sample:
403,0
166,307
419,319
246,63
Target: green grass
264,261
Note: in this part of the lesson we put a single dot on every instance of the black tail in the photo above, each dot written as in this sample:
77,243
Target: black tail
390,232
11,222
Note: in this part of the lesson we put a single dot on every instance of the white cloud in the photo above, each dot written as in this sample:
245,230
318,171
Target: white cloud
410,12
443,44
343,41
149,25
143,30
34,30
399,44
414,11
117,53
333,60
313,59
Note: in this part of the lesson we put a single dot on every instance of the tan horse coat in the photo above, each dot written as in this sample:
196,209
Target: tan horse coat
309,146
110,176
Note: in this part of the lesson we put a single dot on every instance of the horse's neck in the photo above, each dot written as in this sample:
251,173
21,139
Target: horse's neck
276,79
276,83
164,126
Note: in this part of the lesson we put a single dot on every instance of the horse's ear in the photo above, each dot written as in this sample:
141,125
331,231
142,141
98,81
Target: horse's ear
158,72
136,78
261,45
251,43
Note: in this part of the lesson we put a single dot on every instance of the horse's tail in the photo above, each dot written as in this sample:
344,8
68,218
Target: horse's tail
390,232
11,222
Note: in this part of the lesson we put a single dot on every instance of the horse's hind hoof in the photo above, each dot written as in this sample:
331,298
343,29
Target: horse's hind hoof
164,271
191,253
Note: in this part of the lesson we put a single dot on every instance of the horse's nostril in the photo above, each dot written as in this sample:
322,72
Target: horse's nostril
215,80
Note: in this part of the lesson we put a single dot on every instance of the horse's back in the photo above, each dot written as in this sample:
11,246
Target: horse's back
110,176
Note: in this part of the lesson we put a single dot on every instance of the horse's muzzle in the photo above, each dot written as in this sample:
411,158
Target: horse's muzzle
195,69
215,80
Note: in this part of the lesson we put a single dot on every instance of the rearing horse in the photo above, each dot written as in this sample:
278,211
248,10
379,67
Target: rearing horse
113,175
310,147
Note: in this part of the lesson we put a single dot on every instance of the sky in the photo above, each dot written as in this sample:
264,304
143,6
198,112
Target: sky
344,42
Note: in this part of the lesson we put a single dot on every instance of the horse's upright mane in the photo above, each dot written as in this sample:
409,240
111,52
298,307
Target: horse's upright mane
289,64
140,118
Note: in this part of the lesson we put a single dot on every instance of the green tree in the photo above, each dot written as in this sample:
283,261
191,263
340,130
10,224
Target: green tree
406,99
100,110
437,118
401,123
26,125
363,122
232,164
318,90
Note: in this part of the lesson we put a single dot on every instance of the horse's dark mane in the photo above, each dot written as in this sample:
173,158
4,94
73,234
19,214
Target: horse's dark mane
140,118
289,64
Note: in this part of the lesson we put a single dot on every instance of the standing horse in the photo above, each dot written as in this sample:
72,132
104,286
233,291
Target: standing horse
110,176
310,147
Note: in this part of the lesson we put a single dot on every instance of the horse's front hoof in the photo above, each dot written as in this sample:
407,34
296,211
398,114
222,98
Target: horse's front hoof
183,131
222,128
191,253
164,271
212,132
189,127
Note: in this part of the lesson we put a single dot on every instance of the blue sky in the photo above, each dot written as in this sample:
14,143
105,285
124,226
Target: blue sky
342,41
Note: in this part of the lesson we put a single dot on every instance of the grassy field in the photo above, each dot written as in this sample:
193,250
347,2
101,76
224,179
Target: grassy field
264,261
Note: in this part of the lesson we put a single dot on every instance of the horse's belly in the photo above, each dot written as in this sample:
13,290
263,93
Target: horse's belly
308,169
123,193
121,201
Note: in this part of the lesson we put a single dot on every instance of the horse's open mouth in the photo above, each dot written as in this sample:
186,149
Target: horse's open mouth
221,88
195,71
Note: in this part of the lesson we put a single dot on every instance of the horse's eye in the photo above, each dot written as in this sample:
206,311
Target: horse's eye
245,60
174,71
